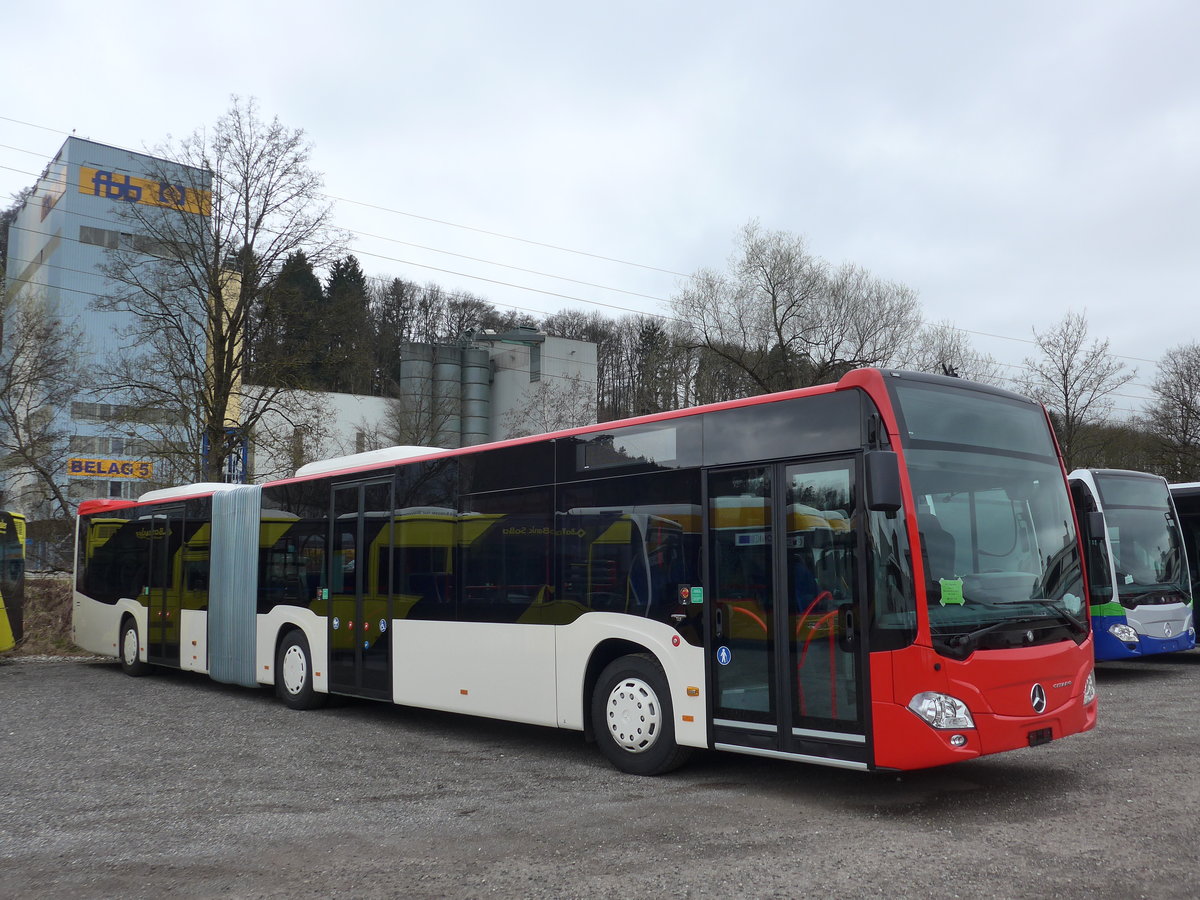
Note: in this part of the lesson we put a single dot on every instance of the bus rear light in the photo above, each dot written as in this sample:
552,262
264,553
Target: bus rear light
941,711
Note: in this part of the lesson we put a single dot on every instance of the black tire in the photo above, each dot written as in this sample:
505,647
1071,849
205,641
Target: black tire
128,649
632,717
294,673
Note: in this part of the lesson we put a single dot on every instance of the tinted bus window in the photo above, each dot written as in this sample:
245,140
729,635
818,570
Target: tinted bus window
672,444
293,533
115,560
504,468
423,543
933,414
801,426
632,545
507,555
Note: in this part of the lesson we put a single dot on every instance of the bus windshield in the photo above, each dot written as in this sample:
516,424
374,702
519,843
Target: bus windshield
1144,539
998,538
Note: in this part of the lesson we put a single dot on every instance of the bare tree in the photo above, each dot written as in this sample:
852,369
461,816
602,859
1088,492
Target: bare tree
283,440
1076,381
785,318
244,199
943,349
39,377
551,404
418,418
1174,417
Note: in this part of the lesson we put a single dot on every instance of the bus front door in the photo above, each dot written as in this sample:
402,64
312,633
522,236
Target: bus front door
786,650
359,614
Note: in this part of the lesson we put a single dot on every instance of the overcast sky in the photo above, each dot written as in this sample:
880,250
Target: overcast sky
1009,161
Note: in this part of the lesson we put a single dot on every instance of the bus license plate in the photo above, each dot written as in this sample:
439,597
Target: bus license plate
1041,736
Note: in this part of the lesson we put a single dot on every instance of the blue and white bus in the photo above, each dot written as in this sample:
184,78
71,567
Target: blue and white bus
1140,592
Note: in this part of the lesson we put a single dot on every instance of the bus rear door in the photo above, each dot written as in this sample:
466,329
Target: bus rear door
163,533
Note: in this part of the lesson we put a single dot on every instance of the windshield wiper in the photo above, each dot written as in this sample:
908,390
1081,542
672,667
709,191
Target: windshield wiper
959,640
1061,611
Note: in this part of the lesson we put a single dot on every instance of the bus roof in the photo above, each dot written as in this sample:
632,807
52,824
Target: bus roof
858,378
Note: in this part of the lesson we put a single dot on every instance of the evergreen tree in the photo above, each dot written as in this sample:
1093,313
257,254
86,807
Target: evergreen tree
394,311
347,359
282,349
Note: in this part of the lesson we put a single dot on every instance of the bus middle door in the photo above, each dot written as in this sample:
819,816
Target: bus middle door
360,591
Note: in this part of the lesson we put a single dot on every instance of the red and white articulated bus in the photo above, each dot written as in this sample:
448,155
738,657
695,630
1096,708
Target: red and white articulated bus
882,573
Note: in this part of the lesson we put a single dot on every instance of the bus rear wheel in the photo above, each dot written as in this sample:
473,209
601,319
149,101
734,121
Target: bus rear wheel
294,673
632,717
129,645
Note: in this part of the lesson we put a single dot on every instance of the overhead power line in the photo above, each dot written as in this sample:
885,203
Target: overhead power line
501,283
508,237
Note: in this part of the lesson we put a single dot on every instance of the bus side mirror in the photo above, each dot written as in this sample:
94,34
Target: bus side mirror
883,481
1094,526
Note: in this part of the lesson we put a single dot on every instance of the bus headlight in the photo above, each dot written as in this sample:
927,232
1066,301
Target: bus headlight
1123,633
941,710
1089,688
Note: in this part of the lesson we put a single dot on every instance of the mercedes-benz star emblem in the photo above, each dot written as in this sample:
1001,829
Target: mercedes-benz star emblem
1038,698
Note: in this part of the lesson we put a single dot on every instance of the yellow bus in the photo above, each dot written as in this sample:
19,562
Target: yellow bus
12,579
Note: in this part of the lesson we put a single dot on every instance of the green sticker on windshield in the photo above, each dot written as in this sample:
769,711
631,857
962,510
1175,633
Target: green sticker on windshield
952,591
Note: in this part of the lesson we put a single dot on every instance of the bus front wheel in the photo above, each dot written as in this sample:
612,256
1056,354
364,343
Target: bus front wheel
131,662
294,673
632,717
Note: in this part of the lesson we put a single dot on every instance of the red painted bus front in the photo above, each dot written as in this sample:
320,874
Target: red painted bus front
1002,657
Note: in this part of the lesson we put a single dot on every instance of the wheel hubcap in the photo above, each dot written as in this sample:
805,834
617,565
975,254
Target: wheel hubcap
129,647
295,670
634,715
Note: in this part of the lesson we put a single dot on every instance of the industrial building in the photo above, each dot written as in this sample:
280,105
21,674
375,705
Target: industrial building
57,247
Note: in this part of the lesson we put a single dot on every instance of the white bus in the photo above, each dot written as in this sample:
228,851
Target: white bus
759,576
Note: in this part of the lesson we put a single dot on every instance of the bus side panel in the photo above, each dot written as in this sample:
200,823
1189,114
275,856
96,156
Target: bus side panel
193,640
95,626
271,624
683,665
500,671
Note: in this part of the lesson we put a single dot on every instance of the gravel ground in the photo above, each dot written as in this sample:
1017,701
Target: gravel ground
175,786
